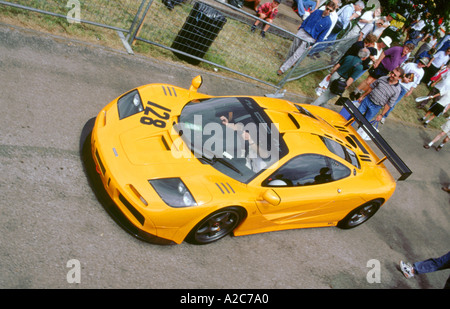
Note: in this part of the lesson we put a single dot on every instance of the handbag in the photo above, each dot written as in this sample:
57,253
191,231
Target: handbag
338,86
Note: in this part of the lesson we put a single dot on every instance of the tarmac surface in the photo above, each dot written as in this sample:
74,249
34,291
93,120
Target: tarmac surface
51,86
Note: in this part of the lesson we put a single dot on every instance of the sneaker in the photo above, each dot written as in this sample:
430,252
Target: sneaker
406,269
438,148
425,125
252,29
263,34
426,146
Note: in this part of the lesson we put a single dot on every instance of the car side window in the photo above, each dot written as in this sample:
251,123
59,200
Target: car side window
306,170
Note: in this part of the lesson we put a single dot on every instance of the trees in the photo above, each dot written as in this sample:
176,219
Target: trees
434,12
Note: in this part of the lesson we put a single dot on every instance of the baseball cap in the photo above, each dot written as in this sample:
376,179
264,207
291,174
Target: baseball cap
424,60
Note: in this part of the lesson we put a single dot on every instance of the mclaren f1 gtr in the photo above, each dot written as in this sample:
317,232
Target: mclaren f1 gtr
177,165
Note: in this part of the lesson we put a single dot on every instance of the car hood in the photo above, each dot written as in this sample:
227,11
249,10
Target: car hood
151,148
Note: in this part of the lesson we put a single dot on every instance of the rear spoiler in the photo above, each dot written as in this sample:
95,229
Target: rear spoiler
376,137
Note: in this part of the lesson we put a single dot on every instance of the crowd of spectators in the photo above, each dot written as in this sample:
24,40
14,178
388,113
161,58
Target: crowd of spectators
401,56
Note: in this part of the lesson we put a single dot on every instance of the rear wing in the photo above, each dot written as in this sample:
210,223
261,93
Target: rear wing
376,137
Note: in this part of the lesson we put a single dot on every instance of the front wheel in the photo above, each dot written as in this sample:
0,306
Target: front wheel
216,226
359,215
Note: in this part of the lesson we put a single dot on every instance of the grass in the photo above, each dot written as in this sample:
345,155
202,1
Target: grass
265,58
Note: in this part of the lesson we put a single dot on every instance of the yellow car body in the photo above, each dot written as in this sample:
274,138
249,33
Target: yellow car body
141,157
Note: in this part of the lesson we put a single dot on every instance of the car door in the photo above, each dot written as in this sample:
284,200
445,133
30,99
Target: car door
311,188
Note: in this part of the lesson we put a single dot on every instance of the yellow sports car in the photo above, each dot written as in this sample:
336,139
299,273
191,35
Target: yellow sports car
180,165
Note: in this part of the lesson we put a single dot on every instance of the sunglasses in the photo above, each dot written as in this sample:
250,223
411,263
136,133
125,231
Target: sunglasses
329,9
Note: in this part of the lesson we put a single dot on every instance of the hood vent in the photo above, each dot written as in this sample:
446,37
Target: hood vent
225,188
365,158
169,91
342,129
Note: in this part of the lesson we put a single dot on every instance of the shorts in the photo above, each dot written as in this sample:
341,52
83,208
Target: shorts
436,109
378,72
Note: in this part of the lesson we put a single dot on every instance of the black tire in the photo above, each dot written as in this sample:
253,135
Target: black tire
216,226
360,215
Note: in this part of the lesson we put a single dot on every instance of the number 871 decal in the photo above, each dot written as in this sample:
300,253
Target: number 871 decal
153,108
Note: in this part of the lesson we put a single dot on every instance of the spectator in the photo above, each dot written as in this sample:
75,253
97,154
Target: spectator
427,266
312,30
411,79
334,17
375,53
441,106
427,54
369,43
445,133
255,4
390,30
429,43
301,6
415,29
345,15
436,77
388,61
379,26
268,11
444,46
391,59
439,86
416,38
381,95
364,24
347,69
439,60
443,41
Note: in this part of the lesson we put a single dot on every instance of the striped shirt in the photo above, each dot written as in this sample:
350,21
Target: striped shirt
384,93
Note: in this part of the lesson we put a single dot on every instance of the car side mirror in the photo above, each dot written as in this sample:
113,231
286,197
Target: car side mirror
271,197
196,83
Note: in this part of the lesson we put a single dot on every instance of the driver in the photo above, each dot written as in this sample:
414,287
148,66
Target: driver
251,151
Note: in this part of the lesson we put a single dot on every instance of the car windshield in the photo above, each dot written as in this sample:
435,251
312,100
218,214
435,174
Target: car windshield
234,135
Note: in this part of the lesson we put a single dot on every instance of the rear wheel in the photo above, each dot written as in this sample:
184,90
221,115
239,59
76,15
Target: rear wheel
216,226
359,215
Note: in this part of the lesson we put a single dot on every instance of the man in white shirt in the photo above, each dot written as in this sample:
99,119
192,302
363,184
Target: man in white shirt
349,12
439,86
365,24
438,108
411,79
436,63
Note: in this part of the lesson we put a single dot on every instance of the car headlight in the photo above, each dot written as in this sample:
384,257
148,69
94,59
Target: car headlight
173,192
129,104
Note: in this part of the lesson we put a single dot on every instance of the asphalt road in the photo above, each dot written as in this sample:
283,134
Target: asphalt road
51,86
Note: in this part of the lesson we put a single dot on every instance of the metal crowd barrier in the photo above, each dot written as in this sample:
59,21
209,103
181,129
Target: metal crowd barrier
208,31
